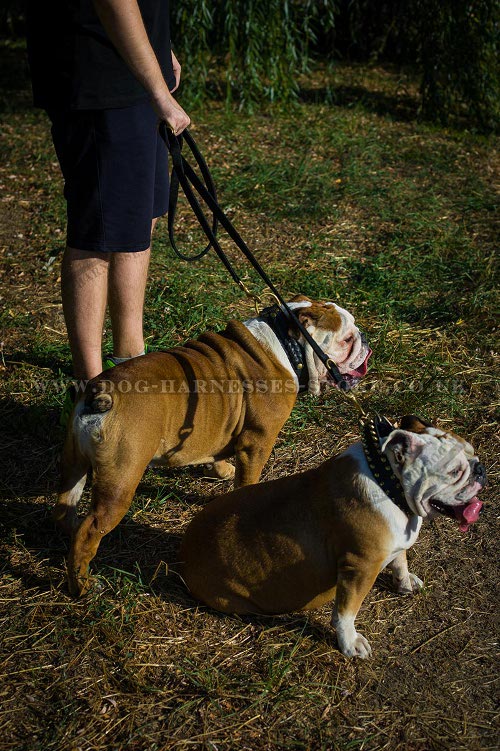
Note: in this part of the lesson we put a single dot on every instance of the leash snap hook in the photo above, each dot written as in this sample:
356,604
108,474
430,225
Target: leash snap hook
350,396
268,292
251,296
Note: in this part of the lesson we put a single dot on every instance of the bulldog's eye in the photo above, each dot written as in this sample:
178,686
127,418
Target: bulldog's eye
348,339
455,472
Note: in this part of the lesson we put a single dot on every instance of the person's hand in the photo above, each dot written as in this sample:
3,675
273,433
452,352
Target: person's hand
177,72
171,112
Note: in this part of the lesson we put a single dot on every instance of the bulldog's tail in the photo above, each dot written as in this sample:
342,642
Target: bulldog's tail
98,400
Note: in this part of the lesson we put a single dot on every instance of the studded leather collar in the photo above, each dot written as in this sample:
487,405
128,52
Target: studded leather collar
280,325
374,429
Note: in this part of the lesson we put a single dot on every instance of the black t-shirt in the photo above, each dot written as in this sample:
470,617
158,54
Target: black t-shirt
73,63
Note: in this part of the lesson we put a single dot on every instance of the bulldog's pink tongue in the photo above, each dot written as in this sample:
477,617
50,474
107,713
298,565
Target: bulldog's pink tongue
361,371
468,514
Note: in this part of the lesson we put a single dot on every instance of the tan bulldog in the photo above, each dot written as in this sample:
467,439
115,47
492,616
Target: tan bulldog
224,394
298,542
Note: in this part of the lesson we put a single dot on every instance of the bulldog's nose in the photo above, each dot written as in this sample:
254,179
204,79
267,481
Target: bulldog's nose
479,473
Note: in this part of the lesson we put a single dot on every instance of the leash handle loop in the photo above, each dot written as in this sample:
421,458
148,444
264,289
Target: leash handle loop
174,144
179,176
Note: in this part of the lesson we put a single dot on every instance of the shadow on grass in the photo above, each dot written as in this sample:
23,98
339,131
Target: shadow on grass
29,447
15,90
31,546
36,545
138,552
401,107
49,359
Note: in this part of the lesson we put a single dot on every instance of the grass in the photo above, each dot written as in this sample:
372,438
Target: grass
355,202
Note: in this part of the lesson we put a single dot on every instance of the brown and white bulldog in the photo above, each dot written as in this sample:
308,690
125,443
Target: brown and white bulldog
224,394
300,541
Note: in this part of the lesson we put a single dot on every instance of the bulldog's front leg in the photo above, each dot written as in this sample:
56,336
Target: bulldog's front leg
353,584
404,582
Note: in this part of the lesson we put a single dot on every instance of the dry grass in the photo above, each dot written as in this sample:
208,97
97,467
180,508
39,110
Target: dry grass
138,664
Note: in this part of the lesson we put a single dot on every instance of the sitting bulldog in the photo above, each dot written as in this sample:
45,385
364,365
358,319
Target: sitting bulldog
301,541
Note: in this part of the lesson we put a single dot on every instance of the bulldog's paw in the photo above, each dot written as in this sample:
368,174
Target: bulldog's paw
358,647
220,470
416,583
408,585
79,586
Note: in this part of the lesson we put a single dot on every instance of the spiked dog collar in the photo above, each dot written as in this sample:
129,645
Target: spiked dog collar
374,429
279,323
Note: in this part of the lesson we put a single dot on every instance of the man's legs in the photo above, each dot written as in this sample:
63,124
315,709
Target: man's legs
88,280
110,202
126,288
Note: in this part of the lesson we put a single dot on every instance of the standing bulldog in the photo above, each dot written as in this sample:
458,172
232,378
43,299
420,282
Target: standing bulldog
222,395
298,542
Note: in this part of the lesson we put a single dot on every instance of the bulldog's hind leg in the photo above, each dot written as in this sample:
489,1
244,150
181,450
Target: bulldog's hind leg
353,584
74,468
252,452
404,582
111,498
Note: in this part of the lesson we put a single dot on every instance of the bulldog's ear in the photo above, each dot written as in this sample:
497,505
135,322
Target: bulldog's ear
300,298
308,316
403,445
414,424
320,316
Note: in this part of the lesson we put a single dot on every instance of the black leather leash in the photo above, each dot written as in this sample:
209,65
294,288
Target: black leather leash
185,176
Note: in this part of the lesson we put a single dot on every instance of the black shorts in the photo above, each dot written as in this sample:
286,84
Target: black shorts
115,169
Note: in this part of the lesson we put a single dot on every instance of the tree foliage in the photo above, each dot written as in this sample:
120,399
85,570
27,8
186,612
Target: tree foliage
459,59
261,46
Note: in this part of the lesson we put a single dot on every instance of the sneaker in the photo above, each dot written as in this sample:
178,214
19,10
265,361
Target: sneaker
108,363
109,360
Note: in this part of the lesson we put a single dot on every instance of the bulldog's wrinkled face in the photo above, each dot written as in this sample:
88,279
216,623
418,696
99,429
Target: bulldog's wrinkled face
438,471
335,330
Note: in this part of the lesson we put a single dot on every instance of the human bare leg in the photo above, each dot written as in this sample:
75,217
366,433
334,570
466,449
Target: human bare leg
84,284
126,289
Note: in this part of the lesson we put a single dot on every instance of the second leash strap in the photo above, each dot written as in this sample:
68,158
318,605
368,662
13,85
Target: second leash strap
172,142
